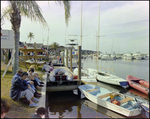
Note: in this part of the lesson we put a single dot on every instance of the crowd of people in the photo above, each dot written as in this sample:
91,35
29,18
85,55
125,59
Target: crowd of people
25,84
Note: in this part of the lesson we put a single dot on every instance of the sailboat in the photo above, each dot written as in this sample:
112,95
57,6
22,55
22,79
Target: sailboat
104,76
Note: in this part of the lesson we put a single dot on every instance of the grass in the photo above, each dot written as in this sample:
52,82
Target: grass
19,109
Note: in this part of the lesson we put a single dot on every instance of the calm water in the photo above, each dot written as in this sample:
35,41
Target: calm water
69,105
137,68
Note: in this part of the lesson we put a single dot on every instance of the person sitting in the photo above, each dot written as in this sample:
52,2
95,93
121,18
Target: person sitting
60,60
47,68
50,64
31,83
5,107
36,76
32,78
20,89
40,112
17,75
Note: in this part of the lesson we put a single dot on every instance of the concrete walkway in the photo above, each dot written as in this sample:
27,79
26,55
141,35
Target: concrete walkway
42,99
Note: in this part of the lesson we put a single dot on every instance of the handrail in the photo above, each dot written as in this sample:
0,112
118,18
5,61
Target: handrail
108,69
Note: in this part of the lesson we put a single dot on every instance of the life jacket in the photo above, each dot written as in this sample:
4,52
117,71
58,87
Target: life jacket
116,102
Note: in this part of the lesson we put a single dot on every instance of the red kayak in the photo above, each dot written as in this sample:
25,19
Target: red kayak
138,84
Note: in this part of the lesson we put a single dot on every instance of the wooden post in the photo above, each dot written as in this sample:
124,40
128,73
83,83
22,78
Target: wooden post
66,57
63,59
71,59
26,54
35,53
79,63
2,55
79,94
9,63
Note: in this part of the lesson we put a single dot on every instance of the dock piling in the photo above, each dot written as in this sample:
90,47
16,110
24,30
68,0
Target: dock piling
79,64
71,59
66,57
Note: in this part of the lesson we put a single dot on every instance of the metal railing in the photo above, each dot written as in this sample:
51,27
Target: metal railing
108,70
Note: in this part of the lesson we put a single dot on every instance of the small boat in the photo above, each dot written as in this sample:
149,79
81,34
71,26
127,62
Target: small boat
138,84
137,56
85,77
102,110
145,109
127,56
117,102
60,74
108,78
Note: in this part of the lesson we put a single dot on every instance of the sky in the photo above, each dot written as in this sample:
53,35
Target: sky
124,25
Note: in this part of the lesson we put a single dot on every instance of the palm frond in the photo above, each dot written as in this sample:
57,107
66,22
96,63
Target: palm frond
67,7
5,13
31,10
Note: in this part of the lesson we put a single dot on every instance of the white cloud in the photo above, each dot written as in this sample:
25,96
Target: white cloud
125,22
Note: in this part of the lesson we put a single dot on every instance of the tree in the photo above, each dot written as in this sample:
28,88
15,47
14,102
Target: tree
29,9
31,36
54,45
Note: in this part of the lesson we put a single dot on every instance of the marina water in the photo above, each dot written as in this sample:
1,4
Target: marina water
68,105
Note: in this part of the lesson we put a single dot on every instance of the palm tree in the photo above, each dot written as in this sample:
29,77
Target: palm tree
31,36
29,9
54,45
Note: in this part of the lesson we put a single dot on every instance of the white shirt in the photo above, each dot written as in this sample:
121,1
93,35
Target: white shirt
46,67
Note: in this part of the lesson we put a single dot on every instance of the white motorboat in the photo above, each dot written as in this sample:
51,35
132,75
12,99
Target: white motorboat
99,56
137,56
113,56
108,78
118,56
127,56
83,56
101,109
146,56
117,102
95,56
107,57
85,76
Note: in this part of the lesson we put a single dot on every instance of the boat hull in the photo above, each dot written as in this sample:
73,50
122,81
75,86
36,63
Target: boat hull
114,80
145,110
108,78
134,83
110,106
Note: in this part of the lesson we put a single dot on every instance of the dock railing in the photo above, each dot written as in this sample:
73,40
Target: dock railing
112,71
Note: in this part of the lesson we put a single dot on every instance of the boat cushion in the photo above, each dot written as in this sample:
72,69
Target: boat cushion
91,90
126,99
105,95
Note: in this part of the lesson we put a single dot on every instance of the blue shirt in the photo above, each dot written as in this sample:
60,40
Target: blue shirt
15,77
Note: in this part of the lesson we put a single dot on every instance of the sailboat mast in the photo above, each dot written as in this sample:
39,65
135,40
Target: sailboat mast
98,36
81,23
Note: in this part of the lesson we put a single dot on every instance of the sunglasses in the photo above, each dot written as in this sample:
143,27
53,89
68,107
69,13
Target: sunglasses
20,72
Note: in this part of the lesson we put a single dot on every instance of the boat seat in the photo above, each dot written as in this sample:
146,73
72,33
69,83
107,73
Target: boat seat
103,96
91,90
126,99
